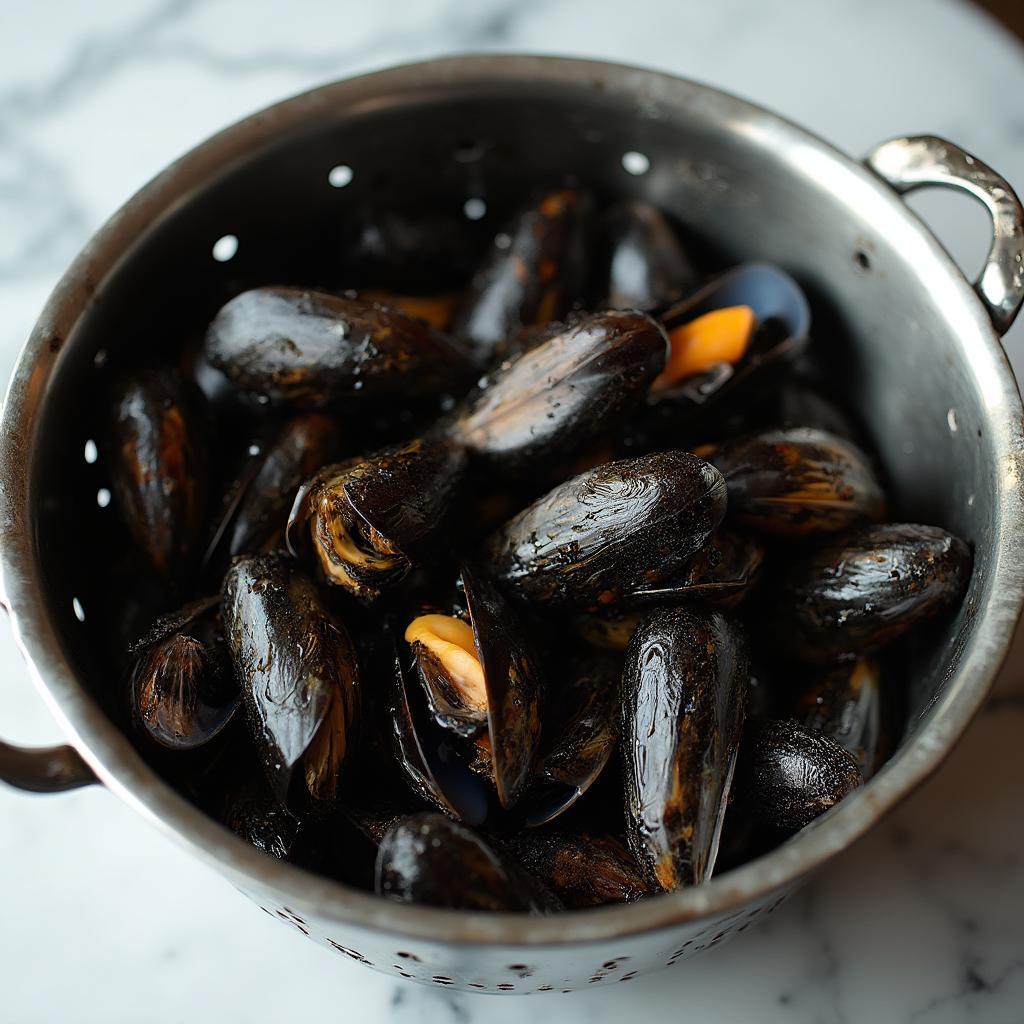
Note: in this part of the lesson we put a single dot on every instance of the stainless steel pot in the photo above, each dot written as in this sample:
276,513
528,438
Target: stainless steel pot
918,346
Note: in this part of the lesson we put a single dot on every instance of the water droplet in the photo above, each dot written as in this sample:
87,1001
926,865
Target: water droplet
951,420
91,452
103,497
254,449
76,607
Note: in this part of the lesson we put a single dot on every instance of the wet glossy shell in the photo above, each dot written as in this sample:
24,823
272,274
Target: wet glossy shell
722,573
860,591
580,869
791,775
647,266
257,508
846,704
390,505
581,731
555,397
312,349
433,742
296,666
432,860
533,278
596,539
684,696
797,481
159,467
182,688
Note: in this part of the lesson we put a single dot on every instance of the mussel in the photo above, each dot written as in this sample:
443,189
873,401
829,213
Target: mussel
790,775
436,311
310,349
298,672
797,481
683,703
466,703
582,870
862,590
257,507
648,268
365,522
430,859
532,276
183,692
159,467
767,327
846,703
581,731
600,537
254,815
559,394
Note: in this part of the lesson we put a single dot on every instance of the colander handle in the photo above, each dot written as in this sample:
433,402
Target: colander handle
44,769
926,161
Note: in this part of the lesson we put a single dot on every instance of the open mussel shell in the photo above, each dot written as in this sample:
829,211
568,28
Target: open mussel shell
789,775
581,870
466,709
365,522
846,703
258,503
784,321
432,860
648,268
298,673
553,398
532,275
797,481
308,349
182,689
581,731
160,469
683,701
596,539
860,591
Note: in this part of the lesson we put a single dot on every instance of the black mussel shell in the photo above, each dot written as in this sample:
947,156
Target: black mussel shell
722,573
428,725
298,672
648,268
561,393
254,815
784,320
797,481
436,311
598,538
310,349
533,274
790,775
846,703
582,870
160,469
581,731
858,592
183,691
432,860
258,503
683,702
366,522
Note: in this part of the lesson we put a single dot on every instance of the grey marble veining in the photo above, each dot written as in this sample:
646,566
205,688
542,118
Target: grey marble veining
104,919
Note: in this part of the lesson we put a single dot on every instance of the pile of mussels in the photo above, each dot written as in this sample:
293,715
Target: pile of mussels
611,608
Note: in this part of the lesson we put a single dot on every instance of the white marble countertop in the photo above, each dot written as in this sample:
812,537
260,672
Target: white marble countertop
104,920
